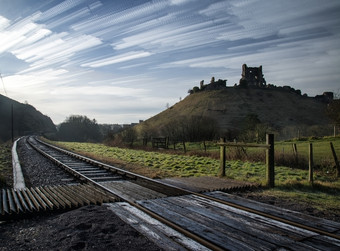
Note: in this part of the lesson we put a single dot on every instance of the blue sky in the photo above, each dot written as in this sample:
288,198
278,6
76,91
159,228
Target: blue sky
122,61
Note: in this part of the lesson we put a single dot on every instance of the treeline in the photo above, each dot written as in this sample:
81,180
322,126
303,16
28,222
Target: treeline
190,129
182,129
79,128
179,130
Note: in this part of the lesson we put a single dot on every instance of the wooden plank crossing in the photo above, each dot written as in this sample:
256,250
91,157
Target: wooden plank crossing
164,236
131,191
235,229
323,224
205,184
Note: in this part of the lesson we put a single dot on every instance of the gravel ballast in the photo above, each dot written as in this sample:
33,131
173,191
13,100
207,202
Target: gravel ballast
39,171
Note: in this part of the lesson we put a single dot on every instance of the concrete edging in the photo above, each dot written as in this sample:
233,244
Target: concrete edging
18,177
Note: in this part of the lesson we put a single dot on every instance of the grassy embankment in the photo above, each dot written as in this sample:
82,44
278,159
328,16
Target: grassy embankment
290,182
5,165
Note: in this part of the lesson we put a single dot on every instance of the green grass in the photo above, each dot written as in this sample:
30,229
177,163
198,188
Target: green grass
321,148
172,164
175,165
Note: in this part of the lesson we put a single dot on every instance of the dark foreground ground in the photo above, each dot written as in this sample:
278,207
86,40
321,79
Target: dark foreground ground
86,228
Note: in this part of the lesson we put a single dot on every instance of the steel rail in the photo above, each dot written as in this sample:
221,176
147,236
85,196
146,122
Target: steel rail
72,171
174,190
184,191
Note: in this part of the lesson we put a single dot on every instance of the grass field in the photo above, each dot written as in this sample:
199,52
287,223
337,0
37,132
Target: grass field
177,165
321,148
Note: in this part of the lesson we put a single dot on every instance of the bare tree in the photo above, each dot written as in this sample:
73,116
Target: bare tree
193,129
129,135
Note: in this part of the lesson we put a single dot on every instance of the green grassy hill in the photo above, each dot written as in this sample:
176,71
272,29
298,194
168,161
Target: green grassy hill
27,120
275,107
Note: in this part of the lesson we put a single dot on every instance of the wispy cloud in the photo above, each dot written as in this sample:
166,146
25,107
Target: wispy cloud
41,47
180,2
59,9
118,59
74,16
4,22
128,16
13,35
166,39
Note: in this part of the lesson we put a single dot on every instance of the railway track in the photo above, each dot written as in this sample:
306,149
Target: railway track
125,185
215,220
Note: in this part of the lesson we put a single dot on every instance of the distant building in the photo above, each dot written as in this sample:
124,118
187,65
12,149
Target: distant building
326,97
252,76
214,85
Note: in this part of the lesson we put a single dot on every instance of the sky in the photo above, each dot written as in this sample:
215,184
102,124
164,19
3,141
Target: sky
125,61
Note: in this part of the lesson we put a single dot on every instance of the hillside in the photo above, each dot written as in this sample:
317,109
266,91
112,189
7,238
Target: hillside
27,120
276,108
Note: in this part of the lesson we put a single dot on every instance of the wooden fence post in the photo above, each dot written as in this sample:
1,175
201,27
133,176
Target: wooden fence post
295,152
311,163
270,160
184,147
334,131
337,165
222,158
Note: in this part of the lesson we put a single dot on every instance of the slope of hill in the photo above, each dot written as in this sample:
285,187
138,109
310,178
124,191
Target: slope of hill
229,107
26,119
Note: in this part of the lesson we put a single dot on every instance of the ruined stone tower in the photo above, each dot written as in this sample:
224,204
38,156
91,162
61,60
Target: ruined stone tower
253,76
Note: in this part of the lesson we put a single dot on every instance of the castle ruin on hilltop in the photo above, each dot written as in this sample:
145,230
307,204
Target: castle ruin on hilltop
252,76
214,85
